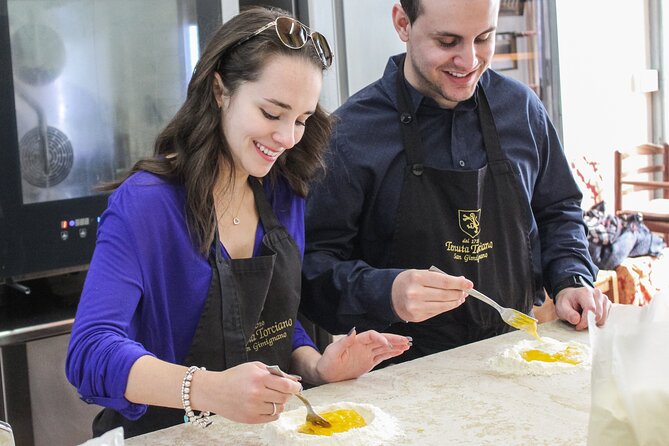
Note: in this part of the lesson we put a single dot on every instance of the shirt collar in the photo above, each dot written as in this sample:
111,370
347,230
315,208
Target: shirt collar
389,82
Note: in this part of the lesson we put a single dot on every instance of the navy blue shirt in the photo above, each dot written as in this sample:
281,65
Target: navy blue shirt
350,216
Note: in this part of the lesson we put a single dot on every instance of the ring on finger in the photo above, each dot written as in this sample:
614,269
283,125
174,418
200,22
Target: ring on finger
273,410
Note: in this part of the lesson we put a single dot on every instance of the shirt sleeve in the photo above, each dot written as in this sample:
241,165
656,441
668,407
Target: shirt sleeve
301,338
340,291
101,353
556,204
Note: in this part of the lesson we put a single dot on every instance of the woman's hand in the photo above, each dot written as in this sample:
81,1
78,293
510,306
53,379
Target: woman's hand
247,393
356,354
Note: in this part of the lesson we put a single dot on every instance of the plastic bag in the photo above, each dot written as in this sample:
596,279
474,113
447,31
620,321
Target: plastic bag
630,376
113,437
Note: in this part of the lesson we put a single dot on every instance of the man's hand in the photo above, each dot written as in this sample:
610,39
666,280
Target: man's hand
418,295
571,305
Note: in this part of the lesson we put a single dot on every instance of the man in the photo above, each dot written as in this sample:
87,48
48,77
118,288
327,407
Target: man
444,162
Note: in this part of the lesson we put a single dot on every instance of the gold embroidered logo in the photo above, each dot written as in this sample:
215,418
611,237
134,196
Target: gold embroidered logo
470,222
471,248
266,335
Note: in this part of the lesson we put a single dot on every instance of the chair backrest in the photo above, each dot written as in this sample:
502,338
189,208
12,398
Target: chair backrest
637,169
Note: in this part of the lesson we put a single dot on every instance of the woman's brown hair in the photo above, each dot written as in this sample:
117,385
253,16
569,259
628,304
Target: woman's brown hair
191,147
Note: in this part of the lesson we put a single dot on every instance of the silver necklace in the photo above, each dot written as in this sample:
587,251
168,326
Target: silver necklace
235,218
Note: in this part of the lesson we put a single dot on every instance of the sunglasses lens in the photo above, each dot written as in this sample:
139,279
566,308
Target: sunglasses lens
323,48
291,32
294,35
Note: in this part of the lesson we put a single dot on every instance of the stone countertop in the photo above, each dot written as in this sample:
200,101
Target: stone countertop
447,398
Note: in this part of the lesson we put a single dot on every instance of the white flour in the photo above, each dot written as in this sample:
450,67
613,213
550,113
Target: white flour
380,428
510,361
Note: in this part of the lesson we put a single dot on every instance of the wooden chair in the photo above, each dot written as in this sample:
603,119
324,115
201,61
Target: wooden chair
607,282
644,168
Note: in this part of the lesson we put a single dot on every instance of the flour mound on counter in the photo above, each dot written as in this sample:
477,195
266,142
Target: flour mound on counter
511,362
380,429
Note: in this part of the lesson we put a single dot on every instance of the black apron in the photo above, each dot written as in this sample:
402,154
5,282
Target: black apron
469,223
249,315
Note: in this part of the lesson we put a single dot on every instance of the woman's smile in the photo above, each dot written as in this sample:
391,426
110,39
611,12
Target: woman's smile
266,152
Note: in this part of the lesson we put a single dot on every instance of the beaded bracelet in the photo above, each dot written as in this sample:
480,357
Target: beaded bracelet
202,419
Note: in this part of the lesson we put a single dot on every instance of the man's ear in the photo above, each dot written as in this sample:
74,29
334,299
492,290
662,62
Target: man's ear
220,92
401,22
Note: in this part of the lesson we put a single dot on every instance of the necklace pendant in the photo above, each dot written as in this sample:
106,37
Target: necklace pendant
235,221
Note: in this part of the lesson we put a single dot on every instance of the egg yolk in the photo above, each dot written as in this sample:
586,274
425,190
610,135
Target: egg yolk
567,355
341,421
529,326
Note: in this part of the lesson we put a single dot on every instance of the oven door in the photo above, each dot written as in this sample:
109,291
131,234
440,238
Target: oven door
86,87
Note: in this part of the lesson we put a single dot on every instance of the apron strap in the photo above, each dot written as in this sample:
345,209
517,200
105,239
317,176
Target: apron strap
488,127
413,145
267,216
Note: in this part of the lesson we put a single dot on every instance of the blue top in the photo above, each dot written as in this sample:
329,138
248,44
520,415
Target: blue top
147,285
351,213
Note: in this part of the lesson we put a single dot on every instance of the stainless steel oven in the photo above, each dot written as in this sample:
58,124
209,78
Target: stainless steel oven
85,87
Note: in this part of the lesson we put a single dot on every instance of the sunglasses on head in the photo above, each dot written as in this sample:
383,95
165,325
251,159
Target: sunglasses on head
295,35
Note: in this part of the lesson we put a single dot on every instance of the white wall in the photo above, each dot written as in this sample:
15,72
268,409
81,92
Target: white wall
229,9
602,46
367,56
363,38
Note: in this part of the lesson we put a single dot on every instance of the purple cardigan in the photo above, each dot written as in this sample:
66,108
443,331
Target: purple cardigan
146,287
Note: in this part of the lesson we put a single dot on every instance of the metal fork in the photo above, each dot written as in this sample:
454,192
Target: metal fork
312,416
511,316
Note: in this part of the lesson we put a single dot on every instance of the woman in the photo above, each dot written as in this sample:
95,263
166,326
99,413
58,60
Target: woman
194,284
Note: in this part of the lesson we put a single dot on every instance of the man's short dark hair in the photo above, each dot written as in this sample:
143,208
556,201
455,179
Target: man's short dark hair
411,8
